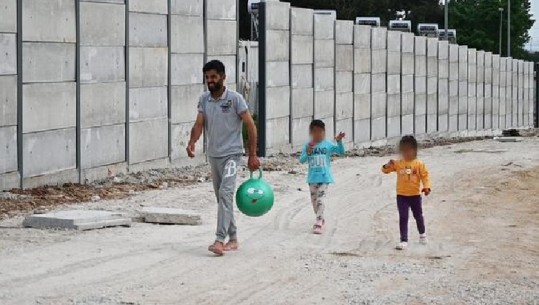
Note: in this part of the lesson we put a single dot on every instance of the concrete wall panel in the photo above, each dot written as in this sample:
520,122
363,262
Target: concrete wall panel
221,9
344,57
344,32
302,103
48,106
48,62
324,27
102,64
58,147
187,69
277,102
148,67
145,6
277,16
102,24
8,100
8,149
301,21
148,140
184,102
324,104
187,34
280,51
102,145
223,41
8,11
49,20
302,76
102,104
8,54
277,74
344,81
187,7
148,30
148,103
344,105
302,51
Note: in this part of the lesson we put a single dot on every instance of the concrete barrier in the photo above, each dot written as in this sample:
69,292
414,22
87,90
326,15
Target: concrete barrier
407,84
394,56
301,74
362,84
420,85
344,79
324,71
443,87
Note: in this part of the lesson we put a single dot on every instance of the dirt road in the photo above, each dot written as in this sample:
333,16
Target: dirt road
482,220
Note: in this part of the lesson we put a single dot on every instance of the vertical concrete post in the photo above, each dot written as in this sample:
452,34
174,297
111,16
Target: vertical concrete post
515,93
531,95
407,83
324,71
394,56
276,69
344,78
520,77
508,92
496,93
301,74
472,94
379,84
487,93
49,92
503,94
9,80
102,89
432,85
525,97
362,84
463,89
453,87
420,85
480,93
187,52
148,85
443,86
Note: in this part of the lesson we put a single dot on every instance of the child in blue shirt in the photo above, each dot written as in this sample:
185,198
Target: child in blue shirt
318,153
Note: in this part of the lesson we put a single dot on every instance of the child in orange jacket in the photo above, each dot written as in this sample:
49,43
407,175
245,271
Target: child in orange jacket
412,180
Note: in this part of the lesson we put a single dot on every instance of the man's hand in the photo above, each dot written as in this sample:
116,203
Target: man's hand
253,163
340,136
191,150
426,191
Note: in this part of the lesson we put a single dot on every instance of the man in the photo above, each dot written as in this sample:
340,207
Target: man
220,114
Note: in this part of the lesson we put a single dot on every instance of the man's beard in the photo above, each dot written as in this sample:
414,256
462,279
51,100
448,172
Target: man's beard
216,87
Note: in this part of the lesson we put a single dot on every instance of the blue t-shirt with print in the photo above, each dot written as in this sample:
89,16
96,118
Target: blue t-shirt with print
320,161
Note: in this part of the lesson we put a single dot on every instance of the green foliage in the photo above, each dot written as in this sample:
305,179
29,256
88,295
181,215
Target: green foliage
478,24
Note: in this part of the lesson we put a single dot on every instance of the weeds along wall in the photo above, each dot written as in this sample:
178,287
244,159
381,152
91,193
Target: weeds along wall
377,85
93,88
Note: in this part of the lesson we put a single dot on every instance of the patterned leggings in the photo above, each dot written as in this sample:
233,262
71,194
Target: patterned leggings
318,192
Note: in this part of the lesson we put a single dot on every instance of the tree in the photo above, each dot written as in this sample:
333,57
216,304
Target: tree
478,24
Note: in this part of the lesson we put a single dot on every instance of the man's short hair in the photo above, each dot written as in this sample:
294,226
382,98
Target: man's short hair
214,65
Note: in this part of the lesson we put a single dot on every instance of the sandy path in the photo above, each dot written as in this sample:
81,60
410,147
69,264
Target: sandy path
482,220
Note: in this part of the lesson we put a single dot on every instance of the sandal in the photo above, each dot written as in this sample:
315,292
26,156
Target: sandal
217,248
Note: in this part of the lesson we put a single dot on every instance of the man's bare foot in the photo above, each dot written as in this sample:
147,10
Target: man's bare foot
217,248
232,245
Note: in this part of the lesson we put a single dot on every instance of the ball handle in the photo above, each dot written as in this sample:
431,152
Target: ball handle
259,174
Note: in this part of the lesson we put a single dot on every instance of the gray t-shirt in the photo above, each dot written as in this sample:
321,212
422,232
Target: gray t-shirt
223,124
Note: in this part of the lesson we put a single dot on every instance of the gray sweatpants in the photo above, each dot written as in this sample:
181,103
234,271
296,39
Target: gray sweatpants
224,171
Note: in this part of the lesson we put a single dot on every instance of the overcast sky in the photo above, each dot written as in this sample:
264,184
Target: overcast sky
534,31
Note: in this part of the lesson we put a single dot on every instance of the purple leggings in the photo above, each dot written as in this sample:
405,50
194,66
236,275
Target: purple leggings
405,203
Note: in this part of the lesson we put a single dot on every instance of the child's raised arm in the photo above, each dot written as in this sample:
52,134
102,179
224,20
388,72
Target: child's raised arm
339,147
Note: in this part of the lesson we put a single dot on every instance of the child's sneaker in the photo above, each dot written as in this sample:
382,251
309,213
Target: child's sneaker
402,245
423,239
318,226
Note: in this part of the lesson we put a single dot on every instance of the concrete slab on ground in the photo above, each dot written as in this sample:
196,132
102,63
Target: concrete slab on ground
77,220
170,216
